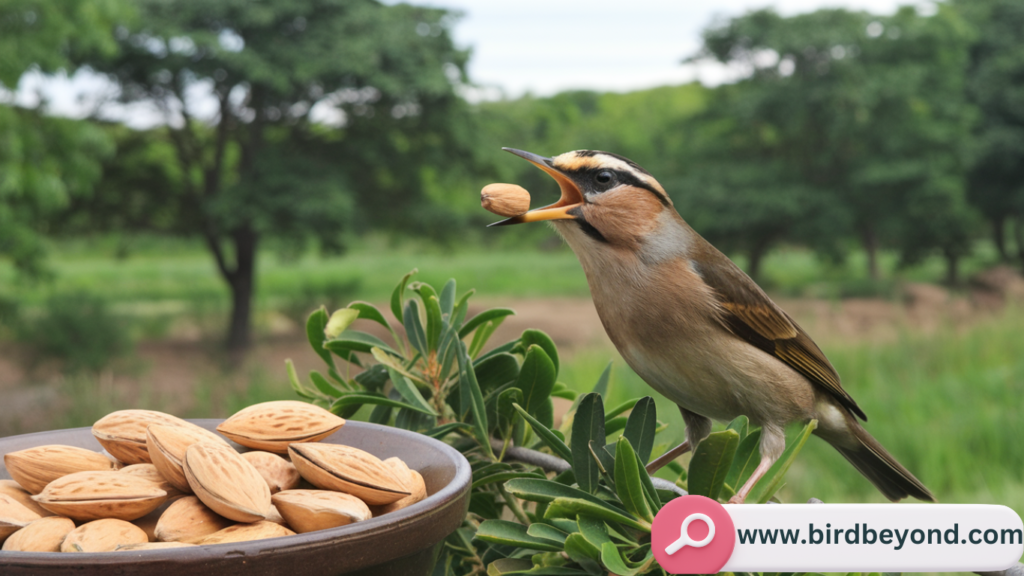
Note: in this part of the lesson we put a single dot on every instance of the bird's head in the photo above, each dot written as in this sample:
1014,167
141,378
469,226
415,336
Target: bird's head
607,201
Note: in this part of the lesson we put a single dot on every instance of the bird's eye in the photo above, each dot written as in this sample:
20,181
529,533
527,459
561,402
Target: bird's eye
603,177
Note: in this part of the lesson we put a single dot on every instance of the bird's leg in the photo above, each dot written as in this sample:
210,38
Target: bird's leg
697,428
659,462
773,442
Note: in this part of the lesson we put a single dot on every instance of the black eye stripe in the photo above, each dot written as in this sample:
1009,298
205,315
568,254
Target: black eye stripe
620,177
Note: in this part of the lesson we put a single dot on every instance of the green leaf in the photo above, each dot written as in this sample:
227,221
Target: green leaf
414,328
767,485
434,322
447,298
587,428
580,549
502,477
323,385
296,384
368,311
339,322
315,324
485,316
513,534
536,379
354,341
546,435
640,427
482,335
407,389
741,424
538,338
627,405
380,414
627,481
594,530
571,507
745,461
505,409
445,429
472,398
572,501
614,562
496,371
711,462
613,425
399,294
377,399
562,391
601,387
461,308
546,532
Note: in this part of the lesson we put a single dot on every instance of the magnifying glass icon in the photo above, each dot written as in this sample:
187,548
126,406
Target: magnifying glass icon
684,537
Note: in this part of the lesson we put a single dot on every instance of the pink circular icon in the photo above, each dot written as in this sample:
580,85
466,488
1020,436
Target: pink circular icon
693,535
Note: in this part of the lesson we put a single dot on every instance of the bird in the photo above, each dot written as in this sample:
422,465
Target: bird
694,326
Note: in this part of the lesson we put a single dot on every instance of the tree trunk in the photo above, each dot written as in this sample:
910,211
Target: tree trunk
1018,236
999,236
756,256
242,283
952,267
870,241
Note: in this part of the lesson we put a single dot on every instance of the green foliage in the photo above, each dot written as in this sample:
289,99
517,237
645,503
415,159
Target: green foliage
77,329
494,405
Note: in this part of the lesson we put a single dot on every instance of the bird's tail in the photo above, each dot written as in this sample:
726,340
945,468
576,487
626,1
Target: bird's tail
872,460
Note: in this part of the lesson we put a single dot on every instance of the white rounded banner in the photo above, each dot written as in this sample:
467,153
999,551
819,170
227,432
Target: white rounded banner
874,538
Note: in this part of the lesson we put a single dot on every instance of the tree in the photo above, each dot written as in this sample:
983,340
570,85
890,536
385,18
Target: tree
44,161
265,163
996,86
867,111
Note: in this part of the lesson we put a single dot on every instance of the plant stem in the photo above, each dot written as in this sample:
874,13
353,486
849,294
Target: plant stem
513,505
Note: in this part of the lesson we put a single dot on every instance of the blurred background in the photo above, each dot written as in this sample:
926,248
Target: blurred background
182,182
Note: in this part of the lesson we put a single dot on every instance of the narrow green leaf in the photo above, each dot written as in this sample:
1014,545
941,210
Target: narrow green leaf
447,298
627,481
594,530
741,424
546,435
482,335
536,379
546,532
770,483
621,408
711,462
461,308
339,321
322,384
614,562
399,294
745,461
315,324
505,411
471,396
485,316
368,398
352,340
380,415
513,534
640,427
408,390
434,322
587,428
570,507
501,477
601,387
296,384
536,337
579,549
414,327
613,425
445,429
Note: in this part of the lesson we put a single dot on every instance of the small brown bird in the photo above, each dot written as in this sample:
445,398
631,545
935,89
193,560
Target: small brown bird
694,326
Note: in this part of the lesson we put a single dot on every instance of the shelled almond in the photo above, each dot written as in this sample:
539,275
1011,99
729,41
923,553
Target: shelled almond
175,484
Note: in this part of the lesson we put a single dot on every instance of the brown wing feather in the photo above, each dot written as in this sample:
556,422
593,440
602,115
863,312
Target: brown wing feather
751,315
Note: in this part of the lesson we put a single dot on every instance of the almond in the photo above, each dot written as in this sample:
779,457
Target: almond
123,433
349,470
13,516
14,490
189,520
150,546
226,482
413,482
279,473
34,468
167,445
150,472
272,426
310,510
505,199
86,496
43,535
245,532
102,536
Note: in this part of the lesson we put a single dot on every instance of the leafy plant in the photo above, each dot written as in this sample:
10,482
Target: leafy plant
76,328
581,495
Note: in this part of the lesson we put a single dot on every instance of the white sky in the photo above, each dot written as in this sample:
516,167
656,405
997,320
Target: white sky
536,46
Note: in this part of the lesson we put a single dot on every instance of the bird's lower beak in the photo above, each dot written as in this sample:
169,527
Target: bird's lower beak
571,198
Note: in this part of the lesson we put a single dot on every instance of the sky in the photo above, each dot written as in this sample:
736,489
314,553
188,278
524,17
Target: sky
526,46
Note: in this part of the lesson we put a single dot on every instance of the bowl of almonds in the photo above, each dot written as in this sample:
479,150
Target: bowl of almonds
279,488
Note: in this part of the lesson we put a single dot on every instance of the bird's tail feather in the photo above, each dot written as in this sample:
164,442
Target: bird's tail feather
872,460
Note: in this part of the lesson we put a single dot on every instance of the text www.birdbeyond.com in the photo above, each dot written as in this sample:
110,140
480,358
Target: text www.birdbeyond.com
863,534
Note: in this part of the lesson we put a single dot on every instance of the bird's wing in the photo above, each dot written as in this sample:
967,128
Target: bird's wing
751,315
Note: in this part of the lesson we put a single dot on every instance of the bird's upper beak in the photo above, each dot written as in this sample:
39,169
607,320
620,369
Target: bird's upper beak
571,194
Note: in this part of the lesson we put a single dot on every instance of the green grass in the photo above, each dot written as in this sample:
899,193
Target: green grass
949,406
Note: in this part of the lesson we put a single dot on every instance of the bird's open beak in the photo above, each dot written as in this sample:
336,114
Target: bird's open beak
571,195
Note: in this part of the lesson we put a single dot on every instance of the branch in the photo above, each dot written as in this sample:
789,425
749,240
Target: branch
556,464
